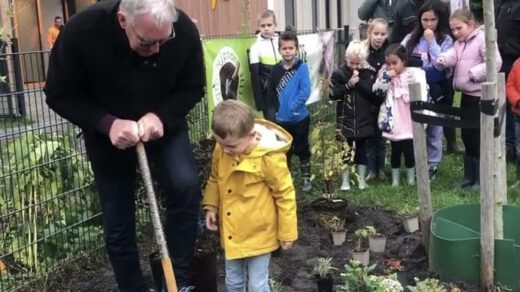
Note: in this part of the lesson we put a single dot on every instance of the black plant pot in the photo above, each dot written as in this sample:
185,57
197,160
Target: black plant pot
157,270
402,277
325,284
204,272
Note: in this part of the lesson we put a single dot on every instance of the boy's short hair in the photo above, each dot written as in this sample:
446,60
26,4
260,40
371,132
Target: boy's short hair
268,14
288,35
233,118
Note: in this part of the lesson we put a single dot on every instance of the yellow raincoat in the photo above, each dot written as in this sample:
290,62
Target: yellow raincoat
253,195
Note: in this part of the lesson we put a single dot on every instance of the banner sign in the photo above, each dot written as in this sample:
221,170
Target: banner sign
228,73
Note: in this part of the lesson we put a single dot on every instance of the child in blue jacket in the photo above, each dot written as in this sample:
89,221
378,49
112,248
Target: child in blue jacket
290,85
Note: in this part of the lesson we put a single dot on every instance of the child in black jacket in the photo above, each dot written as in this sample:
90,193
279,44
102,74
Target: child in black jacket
351,87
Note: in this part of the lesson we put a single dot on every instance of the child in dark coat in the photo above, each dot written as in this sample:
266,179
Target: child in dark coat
351,87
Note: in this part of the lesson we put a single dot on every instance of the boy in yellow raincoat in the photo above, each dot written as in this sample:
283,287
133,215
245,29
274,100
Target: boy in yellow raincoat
249,195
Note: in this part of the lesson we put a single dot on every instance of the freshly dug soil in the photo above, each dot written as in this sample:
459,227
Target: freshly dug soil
293,267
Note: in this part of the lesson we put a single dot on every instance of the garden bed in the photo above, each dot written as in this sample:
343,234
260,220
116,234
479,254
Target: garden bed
293,267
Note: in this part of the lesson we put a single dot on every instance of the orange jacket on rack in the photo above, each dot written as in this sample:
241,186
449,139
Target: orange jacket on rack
513,87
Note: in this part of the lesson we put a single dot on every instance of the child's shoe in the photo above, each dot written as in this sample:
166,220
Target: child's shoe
345,181
370,177
432,172
395,177
410,176
362,171
381,175
306,184
306,175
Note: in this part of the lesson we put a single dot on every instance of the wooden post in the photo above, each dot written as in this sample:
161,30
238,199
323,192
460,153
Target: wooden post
500,163
491,42
421,168
487,196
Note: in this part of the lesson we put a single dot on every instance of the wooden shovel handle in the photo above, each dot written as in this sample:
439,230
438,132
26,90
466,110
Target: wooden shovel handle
169,275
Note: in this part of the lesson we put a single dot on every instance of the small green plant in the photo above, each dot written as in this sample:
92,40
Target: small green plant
408,210
323,267
371,231
275,286
336,224
385,283
361,234
357,278
393,266
427,285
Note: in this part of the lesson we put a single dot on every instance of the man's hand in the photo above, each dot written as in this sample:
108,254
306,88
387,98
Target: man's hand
286,244
150,127
124,134
429,35
211,221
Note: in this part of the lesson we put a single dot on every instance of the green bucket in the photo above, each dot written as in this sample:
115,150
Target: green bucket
455,246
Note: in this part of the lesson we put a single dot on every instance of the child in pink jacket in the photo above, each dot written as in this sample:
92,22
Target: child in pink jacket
468,57
394,117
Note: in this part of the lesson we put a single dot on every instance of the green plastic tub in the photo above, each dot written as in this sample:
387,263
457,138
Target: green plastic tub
455,246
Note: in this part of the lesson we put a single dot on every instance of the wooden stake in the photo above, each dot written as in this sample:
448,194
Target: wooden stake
421,168
500,163
487,195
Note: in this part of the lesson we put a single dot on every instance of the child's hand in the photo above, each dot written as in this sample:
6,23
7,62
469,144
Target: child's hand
354,79
429,35
391,73
211,221
441,61
286,244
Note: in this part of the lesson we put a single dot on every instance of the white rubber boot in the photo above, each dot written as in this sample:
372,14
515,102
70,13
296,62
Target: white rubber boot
345,181
362,172
410,176
395,177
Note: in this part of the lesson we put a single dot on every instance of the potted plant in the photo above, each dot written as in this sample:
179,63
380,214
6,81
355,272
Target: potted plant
356,277
394,266
427,285
322,271
337,229
388,283
376,241
203,274
410,218
330,153
361,253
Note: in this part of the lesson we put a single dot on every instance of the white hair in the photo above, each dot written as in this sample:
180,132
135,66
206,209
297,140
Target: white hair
163,11
357,49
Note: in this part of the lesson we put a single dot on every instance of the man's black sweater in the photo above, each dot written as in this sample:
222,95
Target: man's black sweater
94,76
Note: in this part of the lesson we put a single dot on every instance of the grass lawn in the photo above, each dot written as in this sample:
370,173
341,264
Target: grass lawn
444,189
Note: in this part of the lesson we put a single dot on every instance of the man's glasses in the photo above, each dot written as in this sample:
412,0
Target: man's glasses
146,44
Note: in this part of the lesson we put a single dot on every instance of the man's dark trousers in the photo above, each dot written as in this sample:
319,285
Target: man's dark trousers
115,179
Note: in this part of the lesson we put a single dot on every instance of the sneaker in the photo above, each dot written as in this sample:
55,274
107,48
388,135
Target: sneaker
371,176
432,172
306,185
381,175
187,289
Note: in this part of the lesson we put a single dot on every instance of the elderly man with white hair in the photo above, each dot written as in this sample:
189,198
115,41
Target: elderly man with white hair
129,71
